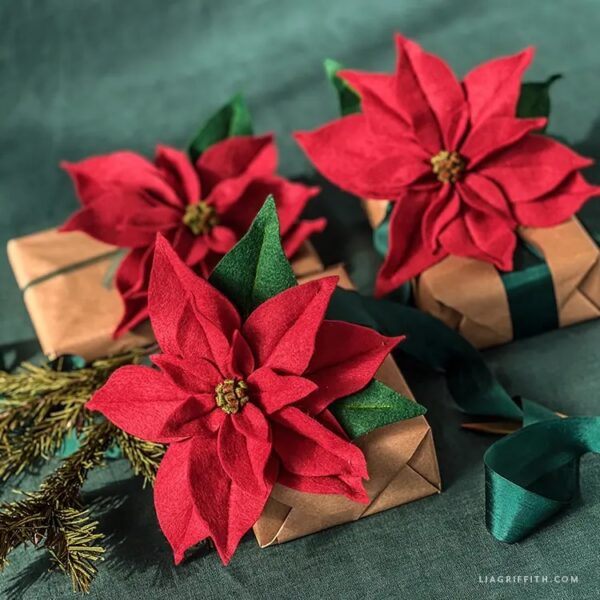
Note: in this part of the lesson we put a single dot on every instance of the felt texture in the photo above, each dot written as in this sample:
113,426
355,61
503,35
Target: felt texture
508,176
127,199
220,467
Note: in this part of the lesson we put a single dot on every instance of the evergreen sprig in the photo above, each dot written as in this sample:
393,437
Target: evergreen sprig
41,405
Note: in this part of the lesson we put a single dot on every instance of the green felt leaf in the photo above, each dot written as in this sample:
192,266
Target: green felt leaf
256,268
230,120
349,99
534,100
375,406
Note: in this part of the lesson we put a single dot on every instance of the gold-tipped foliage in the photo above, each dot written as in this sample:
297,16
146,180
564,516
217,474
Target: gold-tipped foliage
39,406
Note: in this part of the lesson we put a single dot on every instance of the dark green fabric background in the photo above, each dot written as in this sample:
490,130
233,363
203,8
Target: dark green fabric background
80,77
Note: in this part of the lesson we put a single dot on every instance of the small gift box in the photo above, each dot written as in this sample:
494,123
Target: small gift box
401,462
555,283
67,284
470,201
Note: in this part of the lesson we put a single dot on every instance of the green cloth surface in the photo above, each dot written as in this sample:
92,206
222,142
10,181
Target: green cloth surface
81,77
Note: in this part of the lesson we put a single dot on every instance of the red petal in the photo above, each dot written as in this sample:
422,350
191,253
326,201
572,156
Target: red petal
379,103
345,360
494,134
290,199
481,236
300,233
351,487
241,360
556,207
226,510
125,199
273,391
409,253
179,172
348,154
282,330
199,376
135,312
244,447
441,91
190,318
221,239
532,167
306,447
412,100
174,503
493,88
226,167
443,209
483,194
146,404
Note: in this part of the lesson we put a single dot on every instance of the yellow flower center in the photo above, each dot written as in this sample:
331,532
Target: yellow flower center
200,217
231,395
448,166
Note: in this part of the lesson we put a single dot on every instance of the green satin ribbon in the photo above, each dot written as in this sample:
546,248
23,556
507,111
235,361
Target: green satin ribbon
529,287
531,474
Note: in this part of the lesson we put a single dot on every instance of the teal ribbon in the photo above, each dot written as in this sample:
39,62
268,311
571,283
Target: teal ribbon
531,474
529,287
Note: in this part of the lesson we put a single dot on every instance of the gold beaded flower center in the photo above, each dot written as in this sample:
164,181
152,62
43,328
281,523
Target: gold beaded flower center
200,217
448,166
231,395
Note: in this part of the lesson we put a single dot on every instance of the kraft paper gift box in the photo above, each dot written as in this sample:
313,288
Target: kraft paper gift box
402,467
65,279
562,287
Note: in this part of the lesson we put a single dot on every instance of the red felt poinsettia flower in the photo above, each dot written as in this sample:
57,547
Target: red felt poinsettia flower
202,209
461,170
241,404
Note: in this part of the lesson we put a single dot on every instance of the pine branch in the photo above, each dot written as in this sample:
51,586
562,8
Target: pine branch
42,405
54,516
144,457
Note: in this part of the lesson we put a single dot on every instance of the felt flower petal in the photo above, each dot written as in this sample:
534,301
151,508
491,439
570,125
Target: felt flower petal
412,100
493,88
480,236
174,503
305,447
379,104
245,458
179,172
290,199
235,159
444,207
274,391
494,134
346,359
174,288
193,375
409,254
221,239
282,330
441,89
146,404
532,167
343,485
228,511
484,194
301,232
241,359
557,206
346,153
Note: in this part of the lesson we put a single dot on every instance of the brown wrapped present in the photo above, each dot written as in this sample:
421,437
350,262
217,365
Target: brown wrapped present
480,309
402,467
65,279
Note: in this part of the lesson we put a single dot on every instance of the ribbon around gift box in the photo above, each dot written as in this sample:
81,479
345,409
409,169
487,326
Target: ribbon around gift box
531,474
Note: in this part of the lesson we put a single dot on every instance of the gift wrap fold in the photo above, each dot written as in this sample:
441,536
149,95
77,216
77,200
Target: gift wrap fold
555,283
66,280
401,461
